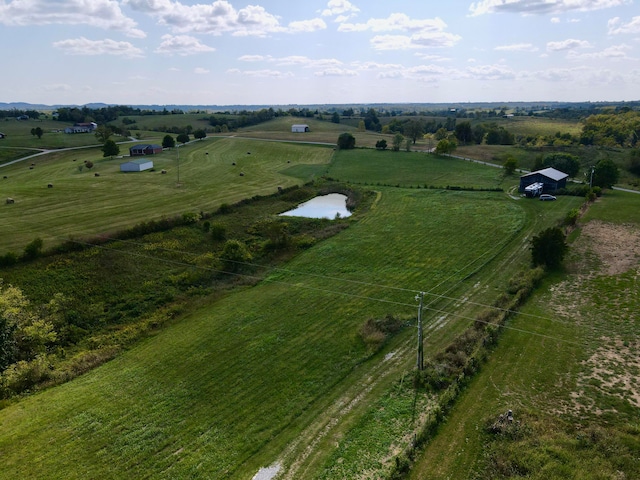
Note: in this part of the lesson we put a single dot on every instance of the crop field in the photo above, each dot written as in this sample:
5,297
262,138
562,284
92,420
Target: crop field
81,204
18,134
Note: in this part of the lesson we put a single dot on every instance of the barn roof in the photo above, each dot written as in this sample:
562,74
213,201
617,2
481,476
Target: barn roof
551,173
140,161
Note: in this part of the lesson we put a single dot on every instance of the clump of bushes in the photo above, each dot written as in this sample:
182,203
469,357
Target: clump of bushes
376,331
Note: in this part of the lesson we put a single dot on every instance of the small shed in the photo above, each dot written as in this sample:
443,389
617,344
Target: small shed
299,128
140,150
136,165
550,178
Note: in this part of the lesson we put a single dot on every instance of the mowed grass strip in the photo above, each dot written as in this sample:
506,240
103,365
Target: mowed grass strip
200,177
412,169
209,395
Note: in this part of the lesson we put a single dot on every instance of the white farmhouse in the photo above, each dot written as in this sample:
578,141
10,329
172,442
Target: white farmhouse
299,128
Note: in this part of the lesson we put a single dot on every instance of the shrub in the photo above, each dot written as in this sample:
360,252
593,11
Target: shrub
224,208
572,217
33,250
218,231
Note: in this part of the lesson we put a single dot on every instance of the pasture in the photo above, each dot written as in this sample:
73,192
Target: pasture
565,366
224,389
279,373
200,177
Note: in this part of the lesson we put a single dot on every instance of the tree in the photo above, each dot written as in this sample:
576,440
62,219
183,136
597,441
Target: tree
199,134
37,132
183,138
110,148
103,133
446,147
381,144
549,248
510,165
346,141
565,162
414,130
605,174
441,133
335,118
168,142
634,161
398,138
464,132
234,254
33,249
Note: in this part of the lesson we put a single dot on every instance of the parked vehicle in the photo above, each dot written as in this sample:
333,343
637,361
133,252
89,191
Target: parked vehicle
546,197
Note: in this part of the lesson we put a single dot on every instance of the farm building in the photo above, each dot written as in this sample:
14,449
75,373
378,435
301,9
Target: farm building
2,135
140,150
136,165
82,128
299,128
550,178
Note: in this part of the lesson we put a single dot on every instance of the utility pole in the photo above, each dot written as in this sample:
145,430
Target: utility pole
178,153
420,360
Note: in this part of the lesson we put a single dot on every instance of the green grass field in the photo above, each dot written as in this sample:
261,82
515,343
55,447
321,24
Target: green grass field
564,366
278,372
80,204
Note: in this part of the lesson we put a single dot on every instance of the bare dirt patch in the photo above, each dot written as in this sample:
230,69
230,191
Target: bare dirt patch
613,364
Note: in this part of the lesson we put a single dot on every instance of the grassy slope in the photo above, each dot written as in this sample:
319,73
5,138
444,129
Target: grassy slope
224,389
211,391
535,371
81,204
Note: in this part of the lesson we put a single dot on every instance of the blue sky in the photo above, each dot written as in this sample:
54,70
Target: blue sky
277,52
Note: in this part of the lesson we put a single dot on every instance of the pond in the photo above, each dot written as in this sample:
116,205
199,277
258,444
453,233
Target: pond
324,206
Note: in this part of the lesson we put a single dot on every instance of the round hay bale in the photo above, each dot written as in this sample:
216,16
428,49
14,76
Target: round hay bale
50,185
96,174
242,174
31,167
280,189
5,177
233,163
10,201
163,172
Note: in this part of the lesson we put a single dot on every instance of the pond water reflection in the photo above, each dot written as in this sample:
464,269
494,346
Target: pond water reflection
323,206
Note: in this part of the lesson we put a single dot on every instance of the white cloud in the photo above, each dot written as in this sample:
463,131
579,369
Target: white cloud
531,7
215,19
261,73
616,26
253,58
491,72
395,22
339,7
182,45
615,52
200,71
84,46
336,72
555,20
307,25
517,47
104,14
568,44
421,33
